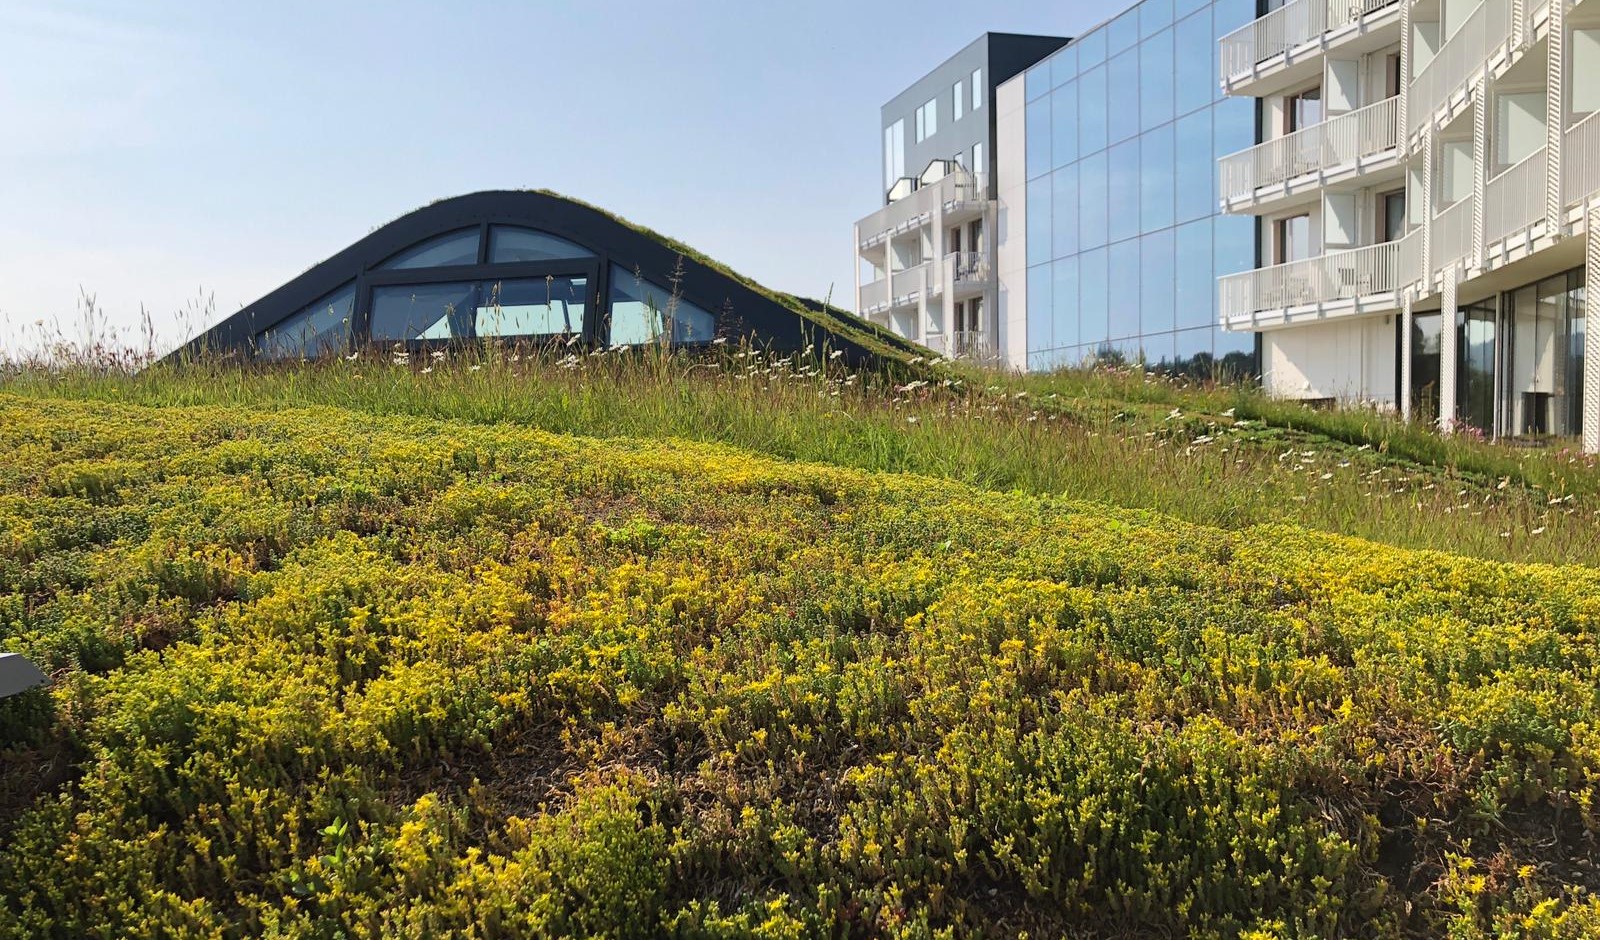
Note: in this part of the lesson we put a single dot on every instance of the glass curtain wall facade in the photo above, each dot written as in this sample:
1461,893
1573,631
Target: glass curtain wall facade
1125,242
1520,363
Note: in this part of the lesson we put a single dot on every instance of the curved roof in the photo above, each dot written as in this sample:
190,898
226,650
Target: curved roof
604,251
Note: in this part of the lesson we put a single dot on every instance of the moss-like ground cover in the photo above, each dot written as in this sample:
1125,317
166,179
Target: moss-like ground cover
324,673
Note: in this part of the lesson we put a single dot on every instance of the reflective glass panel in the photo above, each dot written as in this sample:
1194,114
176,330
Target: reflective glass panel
1039,219
1156,282
1153,16
1122,32
1065,292
1064,226
1064,124
1091,48
1234,240
1036,82
1122,268
1122,120
645,312
535,307
1041,329
1196,172
455,248
1156,71
1197,76
1093,297
1092,201
1156,193
318,330
1122,167
1037,130
510,243
1196,284
529,307
1064,65
1092,111
1233,125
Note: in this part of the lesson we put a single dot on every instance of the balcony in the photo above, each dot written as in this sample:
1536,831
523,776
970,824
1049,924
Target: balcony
1302,163
1580,161
968,269
974,345
1452,235
958,196
1466,53
1279,47
874,297
1339,282
1514,200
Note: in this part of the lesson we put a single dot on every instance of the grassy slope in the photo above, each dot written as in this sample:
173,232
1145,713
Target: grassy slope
1210,456
327,673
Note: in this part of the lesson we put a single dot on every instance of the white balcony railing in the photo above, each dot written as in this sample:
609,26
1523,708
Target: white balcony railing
972,344
1515,198
1452,234
874,296
1344,139
1580,160
909,284
1293,24
957,191
1337,275
967,267
1465,53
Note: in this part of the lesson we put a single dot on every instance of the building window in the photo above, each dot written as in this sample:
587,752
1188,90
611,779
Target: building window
1302,110
927,120
527,307
1392,216
1585,82
319,329
1291,239
977,158
1392,73
1519,126
510,244
454,248
644,312
894,153
960,101
977,89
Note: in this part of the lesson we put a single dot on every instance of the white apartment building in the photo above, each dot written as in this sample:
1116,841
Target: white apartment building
1427,191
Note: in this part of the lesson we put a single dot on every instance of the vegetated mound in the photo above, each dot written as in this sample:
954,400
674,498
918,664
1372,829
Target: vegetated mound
326,674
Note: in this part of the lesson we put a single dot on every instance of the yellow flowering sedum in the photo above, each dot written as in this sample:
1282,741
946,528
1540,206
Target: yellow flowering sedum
324,674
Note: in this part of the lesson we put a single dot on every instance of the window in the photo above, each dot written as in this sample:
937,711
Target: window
978,165
1037,156
1392,216
1156,68
1392,73
510,243
894,153
1455,176
1585,82
525,307
959,100
927,120
1064,124
1302,110
1196,74
1292,239
1519,126
319,329
645,312
1122,111
977,89
1092,111
454,248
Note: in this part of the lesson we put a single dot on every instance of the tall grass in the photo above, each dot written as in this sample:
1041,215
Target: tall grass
1210,454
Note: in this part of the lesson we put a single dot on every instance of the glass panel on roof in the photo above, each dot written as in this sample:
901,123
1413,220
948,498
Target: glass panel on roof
512,243
522,307
645,312
319,329
454,248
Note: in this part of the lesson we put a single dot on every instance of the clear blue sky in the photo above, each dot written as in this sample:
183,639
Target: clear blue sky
155,151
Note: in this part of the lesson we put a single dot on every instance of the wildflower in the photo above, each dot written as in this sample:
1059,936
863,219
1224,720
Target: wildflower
720,341
836,354
427,369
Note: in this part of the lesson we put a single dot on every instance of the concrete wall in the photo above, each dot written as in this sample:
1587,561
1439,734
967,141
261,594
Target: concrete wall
1011,227
1351,360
